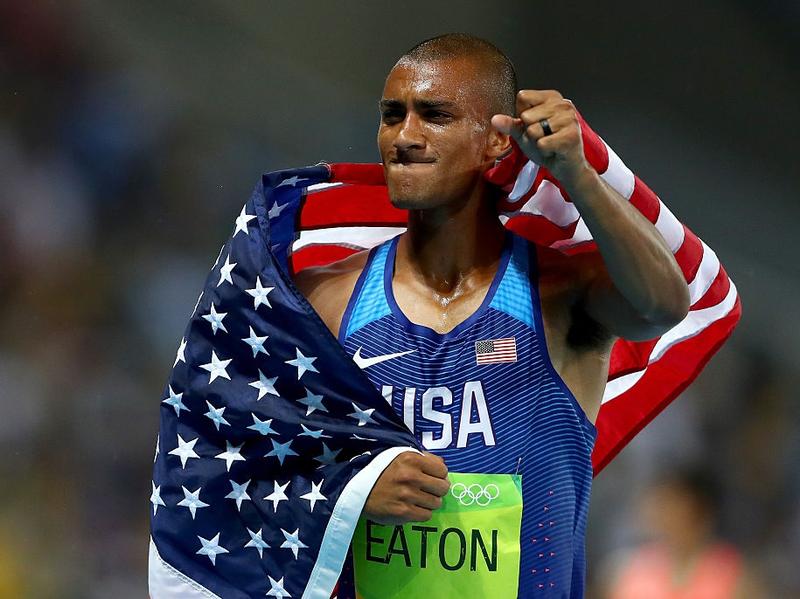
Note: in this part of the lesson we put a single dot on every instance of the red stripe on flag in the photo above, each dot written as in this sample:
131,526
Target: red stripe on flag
689,255
716,292
622,418
579,248
350,205
629,356
645,200
535,227
593,147
362,174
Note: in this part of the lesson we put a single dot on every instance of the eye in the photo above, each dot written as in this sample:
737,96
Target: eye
391,116
438,116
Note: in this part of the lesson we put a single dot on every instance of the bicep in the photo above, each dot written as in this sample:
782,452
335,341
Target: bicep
597,312
604,304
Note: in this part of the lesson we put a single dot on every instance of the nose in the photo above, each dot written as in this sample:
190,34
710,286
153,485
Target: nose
410,135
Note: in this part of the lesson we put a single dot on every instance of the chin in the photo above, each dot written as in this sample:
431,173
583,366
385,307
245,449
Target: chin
407,197
405,200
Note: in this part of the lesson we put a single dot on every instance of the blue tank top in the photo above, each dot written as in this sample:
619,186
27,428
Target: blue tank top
486,398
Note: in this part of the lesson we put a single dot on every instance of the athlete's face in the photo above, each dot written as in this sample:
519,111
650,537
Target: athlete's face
435,137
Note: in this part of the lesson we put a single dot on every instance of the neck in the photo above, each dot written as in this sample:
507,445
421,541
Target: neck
446,247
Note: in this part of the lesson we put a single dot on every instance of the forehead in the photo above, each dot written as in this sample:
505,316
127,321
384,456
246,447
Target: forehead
457,80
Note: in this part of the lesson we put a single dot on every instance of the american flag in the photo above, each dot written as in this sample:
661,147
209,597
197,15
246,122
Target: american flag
496,351
271,437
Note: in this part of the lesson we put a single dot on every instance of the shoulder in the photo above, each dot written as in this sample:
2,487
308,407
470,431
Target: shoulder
310,279
328,288
568,273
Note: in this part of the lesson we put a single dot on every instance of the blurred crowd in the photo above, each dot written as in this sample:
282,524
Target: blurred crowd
718,468
112,208
105,226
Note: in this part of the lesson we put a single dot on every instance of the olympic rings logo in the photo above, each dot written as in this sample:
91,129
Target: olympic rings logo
475,493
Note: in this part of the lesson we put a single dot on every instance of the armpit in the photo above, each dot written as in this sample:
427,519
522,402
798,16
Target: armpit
585,333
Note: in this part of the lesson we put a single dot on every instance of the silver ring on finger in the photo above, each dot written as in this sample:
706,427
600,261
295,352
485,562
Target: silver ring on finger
545,125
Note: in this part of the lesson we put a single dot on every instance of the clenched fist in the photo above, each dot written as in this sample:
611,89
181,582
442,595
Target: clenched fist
548,131
410,488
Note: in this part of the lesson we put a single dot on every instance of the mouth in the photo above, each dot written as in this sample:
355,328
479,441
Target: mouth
399,163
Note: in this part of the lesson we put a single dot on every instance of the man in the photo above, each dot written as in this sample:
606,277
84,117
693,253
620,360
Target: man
419,304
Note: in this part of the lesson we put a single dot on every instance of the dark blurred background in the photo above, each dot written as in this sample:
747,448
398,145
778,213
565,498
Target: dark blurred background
131,133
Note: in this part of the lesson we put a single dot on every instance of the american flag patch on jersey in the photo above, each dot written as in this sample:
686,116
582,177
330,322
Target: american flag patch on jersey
496,351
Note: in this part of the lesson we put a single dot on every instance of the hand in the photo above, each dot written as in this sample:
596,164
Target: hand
410,488
561,152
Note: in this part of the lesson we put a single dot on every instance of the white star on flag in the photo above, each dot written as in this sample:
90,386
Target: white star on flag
215,318
175,401
216,368
328,457
277,589
278,494
256,542
242,220
281,450
215,414
180,356
313,402
231,454
314,495
225,271
211,548
256,343
185,450
155,497
361,455
239,493
308,432
262,426
363,416
191,500
293,541
303,363
265,385
259,293
276,209
292,181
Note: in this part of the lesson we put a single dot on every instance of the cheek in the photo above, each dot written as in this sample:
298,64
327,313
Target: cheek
383,143
470,148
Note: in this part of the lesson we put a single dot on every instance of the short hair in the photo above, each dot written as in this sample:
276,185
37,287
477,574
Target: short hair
502,85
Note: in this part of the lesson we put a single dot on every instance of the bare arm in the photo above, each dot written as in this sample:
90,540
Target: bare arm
328,288
641,292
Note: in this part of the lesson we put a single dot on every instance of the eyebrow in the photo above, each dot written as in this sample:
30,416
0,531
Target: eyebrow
419,104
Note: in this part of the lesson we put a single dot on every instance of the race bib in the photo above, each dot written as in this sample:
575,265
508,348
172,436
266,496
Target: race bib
469,548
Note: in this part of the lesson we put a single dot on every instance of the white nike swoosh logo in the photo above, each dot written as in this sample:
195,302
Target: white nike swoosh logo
363,362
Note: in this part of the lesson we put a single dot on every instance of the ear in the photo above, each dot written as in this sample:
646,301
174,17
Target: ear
497,145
